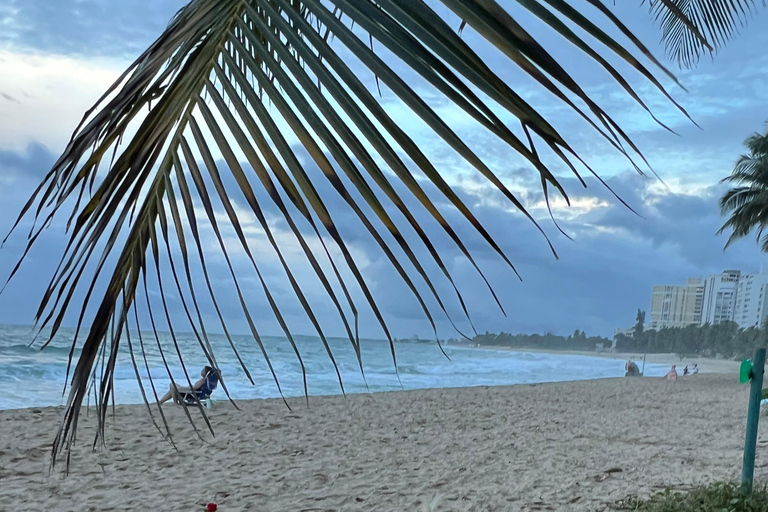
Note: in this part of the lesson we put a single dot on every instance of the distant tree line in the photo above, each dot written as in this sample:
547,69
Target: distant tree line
725,340
576,341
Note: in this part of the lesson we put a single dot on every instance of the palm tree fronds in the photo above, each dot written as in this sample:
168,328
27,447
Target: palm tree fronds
258,103
692,28
747,203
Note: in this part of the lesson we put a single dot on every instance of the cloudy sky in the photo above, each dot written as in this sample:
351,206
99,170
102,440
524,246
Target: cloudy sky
58,57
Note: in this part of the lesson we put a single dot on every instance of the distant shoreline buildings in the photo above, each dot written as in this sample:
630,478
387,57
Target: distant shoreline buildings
728,296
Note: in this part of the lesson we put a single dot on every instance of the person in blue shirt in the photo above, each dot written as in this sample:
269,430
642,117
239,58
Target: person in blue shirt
208,381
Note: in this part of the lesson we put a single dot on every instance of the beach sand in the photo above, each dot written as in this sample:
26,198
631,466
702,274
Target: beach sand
561,446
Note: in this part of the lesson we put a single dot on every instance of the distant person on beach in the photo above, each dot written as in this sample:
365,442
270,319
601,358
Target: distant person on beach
631,369
685,371
695,369
672,374
208,381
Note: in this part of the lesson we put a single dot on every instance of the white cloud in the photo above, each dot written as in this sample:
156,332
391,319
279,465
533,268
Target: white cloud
49,94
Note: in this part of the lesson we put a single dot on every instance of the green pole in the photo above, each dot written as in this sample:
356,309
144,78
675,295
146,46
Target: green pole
753,417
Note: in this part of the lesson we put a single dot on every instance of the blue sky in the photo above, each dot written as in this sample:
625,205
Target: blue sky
58,57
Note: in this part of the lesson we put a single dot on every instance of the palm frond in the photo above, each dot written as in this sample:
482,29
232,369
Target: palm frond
747,203
248,77
692,28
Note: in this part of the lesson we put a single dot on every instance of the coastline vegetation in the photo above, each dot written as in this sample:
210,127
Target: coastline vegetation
547,341
717,497
722,341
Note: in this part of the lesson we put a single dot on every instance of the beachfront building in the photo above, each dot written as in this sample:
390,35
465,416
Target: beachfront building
628,332
728,296
677,306
720,293
751,308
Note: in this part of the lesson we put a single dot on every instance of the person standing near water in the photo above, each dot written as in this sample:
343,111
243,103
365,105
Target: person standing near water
631,369
672,374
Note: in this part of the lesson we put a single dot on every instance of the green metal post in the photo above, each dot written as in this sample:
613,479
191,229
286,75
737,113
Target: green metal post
753,417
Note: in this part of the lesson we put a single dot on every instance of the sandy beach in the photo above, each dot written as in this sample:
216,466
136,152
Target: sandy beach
562,446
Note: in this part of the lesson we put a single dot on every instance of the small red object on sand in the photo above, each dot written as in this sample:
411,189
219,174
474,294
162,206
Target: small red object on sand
211,507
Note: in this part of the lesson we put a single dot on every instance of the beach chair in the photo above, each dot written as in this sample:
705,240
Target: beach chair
203,395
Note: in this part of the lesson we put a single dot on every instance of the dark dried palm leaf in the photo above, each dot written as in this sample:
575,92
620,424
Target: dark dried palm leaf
208,112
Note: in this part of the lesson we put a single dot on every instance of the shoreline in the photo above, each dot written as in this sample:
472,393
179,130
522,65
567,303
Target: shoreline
300,401
295,401
706,364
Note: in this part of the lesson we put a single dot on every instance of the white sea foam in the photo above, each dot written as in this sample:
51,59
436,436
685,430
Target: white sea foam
35,378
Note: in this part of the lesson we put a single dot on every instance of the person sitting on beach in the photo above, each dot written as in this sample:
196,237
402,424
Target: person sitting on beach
208,381
695,369
672,374
685,371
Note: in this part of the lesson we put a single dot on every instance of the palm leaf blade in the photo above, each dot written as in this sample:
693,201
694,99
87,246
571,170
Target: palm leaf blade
248,76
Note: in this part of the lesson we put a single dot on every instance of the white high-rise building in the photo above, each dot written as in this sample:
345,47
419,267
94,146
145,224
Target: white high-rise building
720,292
751,304
728,296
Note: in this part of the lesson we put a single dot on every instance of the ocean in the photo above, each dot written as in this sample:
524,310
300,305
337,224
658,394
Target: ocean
36,378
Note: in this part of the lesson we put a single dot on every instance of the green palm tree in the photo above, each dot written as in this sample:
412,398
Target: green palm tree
746,203
241,95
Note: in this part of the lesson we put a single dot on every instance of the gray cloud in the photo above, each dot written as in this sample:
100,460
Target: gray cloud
35,162
602,276
19,175
8,97
608,270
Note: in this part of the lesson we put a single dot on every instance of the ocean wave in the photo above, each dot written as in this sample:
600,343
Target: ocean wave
25,349
36,377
